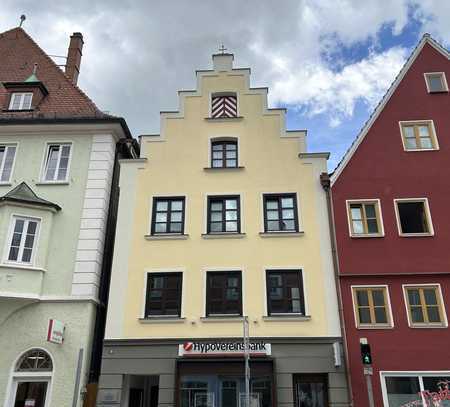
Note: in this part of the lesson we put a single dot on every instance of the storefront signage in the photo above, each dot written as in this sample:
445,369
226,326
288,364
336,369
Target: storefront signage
432,398
55,333
216,348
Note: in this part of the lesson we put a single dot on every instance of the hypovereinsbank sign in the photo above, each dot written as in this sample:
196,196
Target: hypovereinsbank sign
223,348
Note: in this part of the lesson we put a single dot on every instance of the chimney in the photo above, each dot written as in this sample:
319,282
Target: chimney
74,57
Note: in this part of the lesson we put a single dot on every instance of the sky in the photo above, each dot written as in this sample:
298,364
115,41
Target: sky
329,62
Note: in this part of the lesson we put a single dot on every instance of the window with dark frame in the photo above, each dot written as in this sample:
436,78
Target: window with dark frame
168,215
223,293
413,217
224,214
280,213
285,292
163,294
224,154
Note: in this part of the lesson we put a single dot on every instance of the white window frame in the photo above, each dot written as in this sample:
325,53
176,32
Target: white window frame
377,202
21,95
12,224
444,81
443,324
7,146
427,212
433,135
390,324
48,145
419,374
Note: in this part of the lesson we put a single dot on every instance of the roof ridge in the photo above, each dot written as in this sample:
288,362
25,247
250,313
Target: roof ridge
66,78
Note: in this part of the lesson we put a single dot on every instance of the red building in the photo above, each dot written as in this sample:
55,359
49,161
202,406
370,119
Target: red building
391,204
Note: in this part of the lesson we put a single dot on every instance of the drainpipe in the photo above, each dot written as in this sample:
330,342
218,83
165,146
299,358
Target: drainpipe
326,185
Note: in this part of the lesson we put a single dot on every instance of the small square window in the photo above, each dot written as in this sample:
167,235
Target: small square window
418,136
224,214
371,307
280,213
223,106
168,215
365,218
413,217
425,306
20,101
436,82
163,294
56,168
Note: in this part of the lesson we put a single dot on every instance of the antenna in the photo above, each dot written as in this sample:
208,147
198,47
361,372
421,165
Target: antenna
23,17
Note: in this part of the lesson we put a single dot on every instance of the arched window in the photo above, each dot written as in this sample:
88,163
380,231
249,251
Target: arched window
224,105
224,153
35,360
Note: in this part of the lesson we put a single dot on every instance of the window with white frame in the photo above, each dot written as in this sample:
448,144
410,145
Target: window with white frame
22,240
413,217
20,101
7,154
56,166
436,82
224,105
418,135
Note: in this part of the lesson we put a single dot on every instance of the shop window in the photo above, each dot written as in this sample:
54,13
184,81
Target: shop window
285,292
371,307
413,217
310,390
224,214
418,136
22,240
7,155
425,306
163,294
280,213
223,105
168,215
223,293
56,166
364,218
224,153
436,82
20,101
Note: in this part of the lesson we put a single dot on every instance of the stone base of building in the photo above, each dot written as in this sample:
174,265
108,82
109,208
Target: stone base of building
211,373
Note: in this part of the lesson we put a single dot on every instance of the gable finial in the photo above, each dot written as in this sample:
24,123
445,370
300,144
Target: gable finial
222,49
23,17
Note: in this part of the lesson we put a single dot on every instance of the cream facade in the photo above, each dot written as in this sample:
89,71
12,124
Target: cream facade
147,355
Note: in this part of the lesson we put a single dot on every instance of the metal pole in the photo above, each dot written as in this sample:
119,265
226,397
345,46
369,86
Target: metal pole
369,389
247,364
76,391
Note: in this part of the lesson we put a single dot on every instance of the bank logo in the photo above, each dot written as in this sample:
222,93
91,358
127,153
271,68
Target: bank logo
187,346
231,348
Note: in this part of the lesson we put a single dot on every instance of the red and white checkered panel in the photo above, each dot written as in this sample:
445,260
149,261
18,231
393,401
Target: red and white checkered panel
224,106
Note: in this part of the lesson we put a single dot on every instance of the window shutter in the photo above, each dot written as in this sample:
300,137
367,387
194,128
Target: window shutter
224,106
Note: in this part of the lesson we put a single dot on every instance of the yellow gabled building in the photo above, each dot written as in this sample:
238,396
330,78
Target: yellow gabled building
223,217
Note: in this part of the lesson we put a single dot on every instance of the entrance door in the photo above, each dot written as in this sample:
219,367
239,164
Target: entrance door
311,391
30,394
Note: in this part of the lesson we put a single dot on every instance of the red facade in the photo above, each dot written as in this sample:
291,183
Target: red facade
380,168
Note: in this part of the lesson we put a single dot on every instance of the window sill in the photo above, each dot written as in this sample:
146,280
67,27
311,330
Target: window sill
223,235
367,236
416,234
167,237
416,150
222,318
362,327
224,119
21,267
162,320
287,317
240,168
5,184
430,326
52,183
281,234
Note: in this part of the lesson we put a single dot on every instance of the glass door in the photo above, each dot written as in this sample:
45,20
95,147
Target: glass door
30,394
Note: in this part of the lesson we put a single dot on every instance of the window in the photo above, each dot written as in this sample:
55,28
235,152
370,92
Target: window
224,214
35,360
280,213
365,218
20,101
436,82
57,162
7,154
223,293
413,217
224,105
285,292
163,294
224,154
418,136
311,390
424,304
168,215
371,307
22,240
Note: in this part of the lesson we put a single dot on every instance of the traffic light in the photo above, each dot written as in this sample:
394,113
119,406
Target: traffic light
365,354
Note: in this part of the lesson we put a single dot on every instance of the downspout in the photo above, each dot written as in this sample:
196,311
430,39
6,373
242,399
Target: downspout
326,185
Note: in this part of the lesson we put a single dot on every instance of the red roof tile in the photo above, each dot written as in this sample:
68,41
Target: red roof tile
18,54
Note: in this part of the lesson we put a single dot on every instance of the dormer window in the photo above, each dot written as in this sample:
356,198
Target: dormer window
223,105
436,82
20,101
